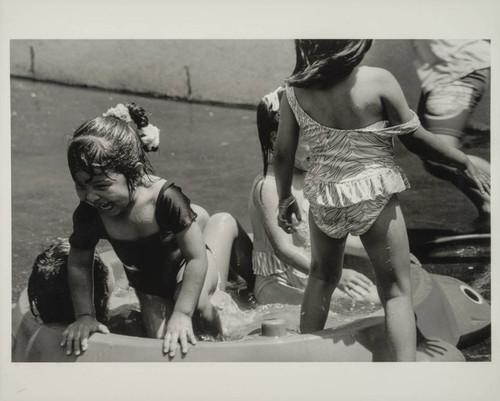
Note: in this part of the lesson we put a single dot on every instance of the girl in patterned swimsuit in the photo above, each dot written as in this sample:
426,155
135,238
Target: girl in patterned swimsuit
281,262
349,115
173,263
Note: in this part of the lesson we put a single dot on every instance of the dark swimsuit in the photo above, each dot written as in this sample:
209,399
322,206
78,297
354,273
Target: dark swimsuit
153,262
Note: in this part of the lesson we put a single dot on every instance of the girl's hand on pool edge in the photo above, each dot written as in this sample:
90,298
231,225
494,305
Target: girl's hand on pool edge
179,330
76,336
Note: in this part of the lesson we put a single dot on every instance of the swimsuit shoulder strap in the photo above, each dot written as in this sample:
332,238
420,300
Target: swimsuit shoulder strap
405,128
294,104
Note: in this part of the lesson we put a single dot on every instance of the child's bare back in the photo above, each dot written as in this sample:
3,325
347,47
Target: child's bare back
355,102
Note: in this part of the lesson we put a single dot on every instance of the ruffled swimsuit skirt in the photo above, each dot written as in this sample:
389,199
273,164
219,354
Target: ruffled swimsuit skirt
352,174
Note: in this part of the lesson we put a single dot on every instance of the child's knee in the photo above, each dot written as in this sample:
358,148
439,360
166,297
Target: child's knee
225,221
325,272
396,290
202,214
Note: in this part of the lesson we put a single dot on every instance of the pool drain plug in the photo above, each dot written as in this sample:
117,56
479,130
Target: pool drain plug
273,328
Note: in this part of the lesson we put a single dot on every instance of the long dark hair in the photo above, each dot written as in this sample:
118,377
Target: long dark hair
322,62
267,127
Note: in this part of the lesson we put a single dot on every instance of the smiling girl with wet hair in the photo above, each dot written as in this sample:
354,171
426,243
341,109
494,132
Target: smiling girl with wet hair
173,264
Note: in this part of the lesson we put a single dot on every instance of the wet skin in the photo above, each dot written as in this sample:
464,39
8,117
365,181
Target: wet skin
108,193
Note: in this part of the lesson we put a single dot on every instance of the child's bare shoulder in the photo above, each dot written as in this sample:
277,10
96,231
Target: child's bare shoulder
379,81
268,183
151,188
375,75
264,191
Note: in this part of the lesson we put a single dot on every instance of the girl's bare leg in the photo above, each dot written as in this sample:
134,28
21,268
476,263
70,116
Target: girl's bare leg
203,215
386,243
155,312
230,246
276,293
327,256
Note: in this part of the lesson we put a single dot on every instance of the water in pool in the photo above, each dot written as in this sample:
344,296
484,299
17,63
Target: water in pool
240,322
241,316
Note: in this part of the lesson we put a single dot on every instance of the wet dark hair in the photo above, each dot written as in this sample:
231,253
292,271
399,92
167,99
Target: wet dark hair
48,289
267,127
109,144
322,62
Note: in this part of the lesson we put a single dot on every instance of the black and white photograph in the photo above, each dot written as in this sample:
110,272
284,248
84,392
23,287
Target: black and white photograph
307,207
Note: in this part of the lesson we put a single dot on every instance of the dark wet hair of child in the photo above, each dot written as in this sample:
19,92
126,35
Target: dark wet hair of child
48,289
109,143
322,62
267,124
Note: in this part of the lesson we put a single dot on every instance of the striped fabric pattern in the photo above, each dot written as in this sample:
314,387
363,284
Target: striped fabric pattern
337,222
267,263
350,166
352,173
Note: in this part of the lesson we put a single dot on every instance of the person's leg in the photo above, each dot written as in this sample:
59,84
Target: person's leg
445,111
327,256
273,290
155,312
203,215
230,246
386,243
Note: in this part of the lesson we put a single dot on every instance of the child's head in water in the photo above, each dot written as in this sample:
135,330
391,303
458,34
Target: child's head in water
323,62
48,289
107,157
267,127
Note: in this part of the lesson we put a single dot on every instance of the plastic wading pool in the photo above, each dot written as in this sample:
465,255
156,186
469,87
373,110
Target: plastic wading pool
449,313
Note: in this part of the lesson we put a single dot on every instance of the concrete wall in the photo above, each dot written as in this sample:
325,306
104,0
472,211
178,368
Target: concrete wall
227,71
232,71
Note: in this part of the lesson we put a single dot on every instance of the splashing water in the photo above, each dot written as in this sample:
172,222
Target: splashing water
240,323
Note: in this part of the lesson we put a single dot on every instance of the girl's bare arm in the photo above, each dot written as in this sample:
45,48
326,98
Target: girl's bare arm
81,284
422,142
180,326
193,249
286,146
284,161
265,199
80,265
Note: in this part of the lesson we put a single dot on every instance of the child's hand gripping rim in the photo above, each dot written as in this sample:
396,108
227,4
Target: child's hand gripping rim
75,338
179,329
286,209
